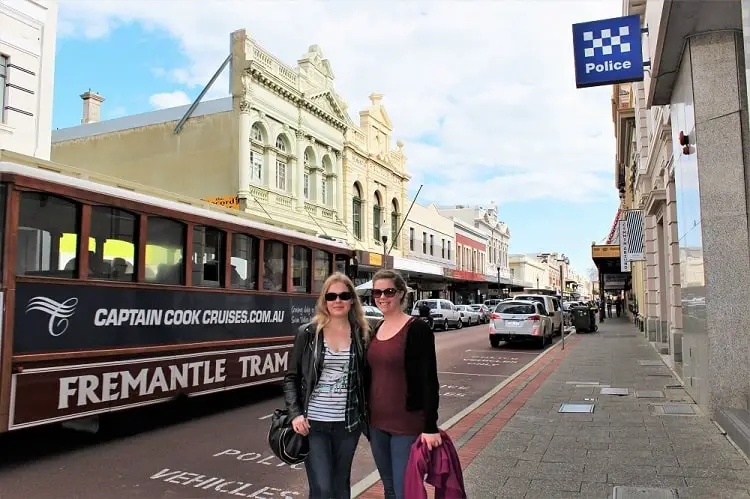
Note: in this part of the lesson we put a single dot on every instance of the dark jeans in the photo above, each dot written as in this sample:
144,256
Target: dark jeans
391,453
329,463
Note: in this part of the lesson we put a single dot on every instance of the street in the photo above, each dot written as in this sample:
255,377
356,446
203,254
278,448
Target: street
216,446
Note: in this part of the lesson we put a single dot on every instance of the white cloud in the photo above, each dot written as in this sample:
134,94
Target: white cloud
169,99
493,81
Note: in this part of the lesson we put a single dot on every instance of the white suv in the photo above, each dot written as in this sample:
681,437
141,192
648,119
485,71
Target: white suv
443,312
552,306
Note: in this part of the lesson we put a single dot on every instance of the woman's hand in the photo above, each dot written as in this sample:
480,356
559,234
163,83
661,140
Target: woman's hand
432,440
301,425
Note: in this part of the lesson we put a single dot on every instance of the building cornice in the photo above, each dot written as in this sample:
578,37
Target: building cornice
655,200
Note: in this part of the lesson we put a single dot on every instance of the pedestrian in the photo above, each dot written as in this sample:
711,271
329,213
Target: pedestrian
609,307
403,384
618,306
324,388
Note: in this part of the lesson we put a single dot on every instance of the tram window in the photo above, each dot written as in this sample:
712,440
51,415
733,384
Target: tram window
112,245
274,265
322,269
165,250
301,269
3,193
48,228
244,262
208,257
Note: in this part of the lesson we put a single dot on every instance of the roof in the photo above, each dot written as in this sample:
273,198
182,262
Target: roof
140,120
209,211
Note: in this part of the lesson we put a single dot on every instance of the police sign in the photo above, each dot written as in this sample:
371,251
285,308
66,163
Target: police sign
608,51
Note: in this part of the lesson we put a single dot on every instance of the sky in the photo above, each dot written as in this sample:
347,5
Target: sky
482,93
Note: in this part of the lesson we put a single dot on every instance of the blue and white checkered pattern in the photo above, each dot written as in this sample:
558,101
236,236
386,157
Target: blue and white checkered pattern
606,41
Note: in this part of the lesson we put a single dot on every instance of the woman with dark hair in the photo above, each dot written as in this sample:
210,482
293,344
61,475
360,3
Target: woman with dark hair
324,388
403,383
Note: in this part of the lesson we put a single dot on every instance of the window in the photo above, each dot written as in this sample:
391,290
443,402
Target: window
395,226
280,144
322,270
48,229
432,245
274,265
255,133
256,166
3,74
306,185
208,256
3,195
244,273
449,250
357,214
112,245
301,269
424,243
443,249
376,220
280,175
306,161
323,193
165,249
411,239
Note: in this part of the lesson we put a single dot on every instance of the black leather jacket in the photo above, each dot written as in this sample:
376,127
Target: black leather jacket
304,371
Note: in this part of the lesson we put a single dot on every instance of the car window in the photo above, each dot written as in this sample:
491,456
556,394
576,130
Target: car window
516,308
432,304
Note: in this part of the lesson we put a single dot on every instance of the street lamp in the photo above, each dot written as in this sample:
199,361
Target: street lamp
384,238
498,279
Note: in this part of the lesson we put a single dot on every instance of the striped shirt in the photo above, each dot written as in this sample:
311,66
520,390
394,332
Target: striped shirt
328,400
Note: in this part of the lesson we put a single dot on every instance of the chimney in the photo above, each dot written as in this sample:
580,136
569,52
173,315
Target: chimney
92,107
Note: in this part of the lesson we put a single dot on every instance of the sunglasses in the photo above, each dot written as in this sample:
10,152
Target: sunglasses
388,292
345,296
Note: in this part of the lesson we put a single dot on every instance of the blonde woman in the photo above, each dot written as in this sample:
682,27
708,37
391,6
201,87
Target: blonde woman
324,389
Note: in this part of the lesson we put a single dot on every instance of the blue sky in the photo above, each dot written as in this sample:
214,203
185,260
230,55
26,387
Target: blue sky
482,122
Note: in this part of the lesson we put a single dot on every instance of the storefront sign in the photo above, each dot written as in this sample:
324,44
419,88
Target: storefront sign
231,202
624,246
57,393
608,51
63,317
605,251
376,260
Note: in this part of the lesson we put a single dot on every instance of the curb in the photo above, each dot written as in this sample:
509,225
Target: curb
371,479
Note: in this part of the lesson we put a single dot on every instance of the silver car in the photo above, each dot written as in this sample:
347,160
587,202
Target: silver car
520,320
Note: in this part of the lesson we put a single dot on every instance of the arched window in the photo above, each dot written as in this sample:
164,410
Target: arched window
376,210
256,134
395,223
256,155
357,212
280,164
280,144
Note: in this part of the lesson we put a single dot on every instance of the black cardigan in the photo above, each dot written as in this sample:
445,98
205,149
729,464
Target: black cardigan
422,386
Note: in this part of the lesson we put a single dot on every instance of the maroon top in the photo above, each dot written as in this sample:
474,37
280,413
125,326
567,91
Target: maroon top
388,386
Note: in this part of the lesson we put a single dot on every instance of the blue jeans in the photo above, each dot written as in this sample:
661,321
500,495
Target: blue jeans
391,454
329,463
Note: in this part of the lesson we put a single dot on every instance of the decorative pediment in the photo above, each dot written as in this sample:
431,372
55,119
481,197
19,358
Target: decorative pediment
377,110
330,103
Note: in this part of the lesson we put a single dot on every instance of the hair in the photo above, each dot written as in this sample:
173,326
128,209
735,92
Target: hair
398,281
356,312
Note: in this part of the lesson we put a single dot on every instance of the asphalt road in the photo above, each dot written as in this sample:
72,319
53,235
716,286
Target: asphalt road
215,446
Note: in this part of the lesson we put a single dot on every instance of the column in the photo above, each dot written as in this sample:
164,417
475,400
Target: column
673,276
243,153
339,199
652,277
298,189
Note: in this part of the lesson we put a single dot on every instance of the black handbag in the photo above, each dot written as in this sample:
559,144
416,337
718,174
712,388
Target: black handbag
287,444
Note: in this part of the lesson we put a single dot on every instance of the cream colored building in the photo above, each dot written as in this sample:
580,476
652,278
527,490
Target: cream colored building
28,30
529,271
375,181
275,146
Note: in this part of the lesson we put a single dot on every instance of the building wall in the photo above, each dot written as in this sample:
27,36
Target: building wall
376,176
471,248
28,30
426,221
529,271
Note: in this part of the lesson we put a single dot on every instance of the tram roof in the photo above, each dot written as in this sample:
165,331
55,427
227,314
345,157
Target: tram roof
19,164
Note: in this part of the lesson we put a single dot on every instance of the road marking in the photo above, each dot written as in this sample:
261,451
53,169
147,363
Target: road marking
473,374
266,416
500,352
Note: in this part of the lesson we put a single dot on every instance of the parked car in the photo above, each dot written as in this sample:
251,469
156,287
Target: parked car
484,312
492,303
443,313
520,320
469,316
373,315
552,308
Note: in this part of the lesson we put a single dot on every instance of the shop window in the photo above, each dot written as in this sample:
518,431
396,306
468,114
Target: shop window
47,239
322,270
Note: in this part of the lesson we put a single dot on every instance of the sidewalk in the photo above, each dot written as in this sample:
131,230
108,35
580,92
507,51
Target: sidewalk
537,452
517,445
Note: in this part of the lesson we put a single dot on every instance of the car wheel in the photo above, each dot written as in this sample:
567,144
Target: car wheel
460,324
495,342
